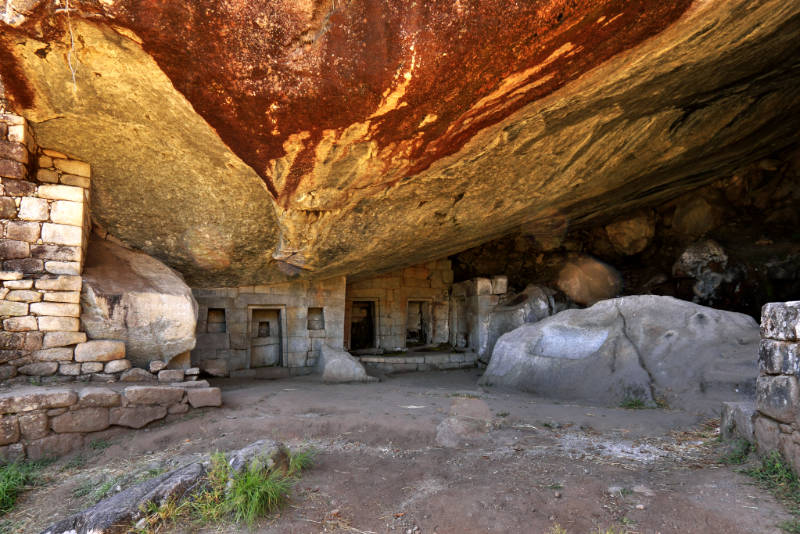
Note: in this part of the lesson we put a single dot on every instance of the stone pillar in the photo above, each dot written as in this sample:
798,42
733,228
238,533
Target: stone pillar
44,227
777,424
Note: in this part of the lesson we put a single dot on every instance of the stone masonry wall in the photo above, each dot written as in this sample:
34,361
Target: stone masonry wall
46,422
311,313
428,282
777,422
44,229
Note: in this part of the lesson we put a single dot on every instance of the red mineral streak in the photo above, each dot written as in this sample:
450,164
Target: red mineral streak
259,71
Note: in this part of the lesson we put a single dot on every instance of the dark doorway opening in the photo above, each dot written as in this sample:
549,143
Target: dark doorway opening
362,325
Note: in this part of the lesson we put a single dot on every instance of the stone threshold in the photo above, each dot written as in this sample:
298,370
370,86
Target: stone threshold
419,361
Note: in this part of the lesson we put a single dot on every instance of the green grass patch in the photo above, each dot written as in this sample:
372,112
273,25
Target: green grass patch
14,478
632,403
99,444
776,476
738,451
244,497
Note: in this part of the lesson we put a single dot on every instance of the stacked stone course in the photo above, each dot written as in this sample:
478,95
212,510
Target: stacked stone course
41,422
777,421
44,229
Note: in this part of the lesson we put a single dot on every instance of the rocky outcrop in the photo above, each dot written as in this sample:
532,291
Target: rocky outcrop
645,347
224,142
131,297
336,366
586,280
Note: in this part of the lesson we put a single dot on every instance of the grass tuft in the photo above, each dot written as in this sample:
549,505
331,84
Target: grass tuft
775,475
737,452
14,478
632,403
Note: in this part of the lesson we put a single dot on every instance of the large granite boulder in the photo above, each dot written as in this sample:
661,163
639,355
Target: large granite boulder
131,297
647,347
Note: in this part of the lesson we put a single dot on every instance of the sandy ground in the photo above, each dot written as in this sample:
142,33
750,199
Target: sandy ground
434,453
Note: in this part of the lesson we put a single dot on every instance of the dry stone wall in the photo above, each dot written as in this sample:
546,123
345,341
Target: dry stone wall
44,422
44,229
777,422
428,284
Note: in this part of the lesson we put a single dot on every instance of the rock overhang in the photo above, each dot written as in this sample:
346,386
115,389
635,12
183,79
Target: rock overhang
283,139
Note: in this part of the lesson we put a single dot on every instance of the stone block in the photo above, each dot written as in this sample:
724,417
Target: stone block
8,208
60,283
62,267
13,309
54,153
117,366
102,377
14,249
69,369
767,433
59,354
778,397
136,416
18,188
33,209
20,324
82,420
170,375
164,395
12,453
483,286
23,231
10,275
54,446
45,162
136,375
7,371
38,369
12,169
56,309
215,367
779,357
156,366
91,397
499,285
71,166
9,429
99,351
62,339
72,179
25,265
55,324
73,297
66,212
200,397
47,176
24,295
92,367
33,425
60,192
738,420
781,321
178,409
32,398
18,284
62,234
56,252
13,151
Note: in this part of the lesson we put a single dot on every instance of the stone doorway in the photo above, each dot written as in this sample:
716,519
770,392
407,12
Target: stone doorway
265,337
418,323
362,325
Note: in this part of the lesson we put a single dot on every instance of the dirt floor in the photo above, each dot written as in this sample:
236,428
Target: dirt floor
434,453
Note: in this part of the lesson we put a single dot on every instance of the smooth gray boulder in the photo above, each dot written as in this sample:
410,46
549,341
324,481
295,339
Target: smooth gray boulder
338,366
533,304
647,347
131,297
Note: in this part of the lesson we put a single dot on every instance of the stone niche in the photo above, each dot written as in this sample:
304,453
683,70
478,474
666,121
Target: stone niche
274,330
399,309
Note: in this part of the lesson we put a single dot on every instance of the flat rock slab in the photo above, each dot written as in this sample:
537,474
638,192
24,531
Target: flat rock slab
153,394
